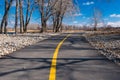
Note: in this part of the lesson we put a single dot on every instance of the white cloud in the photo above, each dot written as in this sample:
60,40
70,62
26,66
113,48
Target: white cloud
88,3
115,15
106,19
12,22
114,24
46,4
14,4
75,22
78,24
100,24
78,14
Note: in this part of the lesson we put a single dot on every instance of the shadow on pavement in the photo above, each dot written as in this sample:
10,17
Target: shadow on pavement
67,61
61,61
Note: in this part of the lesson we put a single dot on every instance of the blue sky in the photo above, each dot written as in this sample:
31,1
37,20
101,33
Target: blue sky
110,10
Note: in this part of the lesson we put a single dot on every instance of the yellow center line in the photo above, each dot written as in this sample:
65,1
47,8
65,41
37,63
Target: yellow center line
52,75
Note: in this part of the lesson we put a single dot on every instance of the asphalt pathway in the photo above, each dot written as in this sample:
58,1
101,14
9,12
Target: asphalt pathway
76,60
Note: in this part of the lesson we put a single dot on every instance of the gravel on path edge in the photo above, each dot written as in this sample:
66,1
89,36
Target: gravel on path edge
105,47
11,42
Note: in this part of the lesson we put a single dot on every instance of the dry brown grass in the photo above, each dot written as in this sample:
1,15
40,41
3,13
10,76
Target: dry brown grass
104,33
48,31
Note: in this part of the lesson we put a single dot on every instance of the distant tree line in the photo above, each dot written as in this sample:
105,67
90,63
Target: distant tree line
53,10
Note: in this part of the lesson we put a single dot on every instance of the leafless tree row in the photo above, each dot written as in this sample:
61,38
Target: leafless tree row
48,9
27,17
61,8
4,21
55,10
18,15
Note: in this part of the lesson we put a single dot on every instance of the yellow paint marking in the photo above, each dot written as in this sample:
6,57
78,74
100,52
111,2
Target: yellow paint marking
52,75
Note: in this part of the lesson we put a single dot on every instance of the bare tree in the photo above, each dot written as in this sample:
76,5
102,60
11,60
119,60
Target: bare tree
29,11
4,21
16,17
96,18
61,8
45,9
58,16
27,16
21,16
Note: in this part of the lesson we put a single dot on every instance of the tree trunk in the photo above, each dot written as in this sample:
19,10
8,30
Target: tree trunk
21,17
6,17
58,23
54,23
43,24
16,17
95,25
1,26
61,27
28,15
4,21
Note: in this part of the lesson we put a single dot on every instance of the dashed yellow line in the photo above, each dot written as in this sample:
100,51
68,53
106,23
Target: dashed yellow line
52,75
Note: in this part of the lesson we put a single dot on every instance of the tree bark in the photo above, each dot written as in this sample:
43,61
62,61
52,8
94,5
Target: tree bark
95,26
4,21
16,17
45,12
44,28
21,16
28,15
